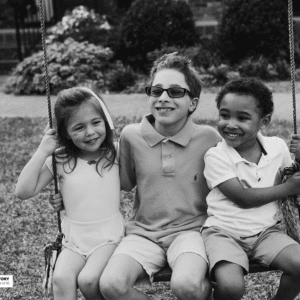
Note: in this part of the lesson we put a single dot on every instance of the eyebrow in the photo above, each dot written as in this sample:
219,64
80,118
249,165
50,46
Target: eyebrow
239,112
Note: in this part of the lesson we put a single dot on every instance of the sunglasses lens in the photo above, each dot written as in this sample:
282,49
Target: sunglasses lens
155,91
176,92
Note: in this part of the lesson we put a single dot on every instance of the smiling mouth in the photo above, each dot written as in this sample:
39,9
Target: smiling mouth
232,135
164,108
92,141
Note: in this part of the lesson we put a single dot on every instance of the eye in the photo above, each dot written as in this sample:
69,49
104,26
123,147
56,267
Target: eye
78,128
97,122
223,115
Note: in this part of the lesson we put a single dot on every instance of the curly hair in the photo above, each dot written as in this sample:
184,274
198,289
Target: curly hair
249,86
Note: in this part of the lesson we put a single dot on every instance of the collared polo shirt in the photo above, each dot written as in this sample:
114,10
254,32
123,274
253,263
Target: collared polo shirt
223,163
168,175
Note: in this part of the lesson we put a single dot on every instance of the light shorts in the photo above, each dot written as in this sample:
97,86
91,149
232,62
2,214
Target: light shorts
85,237
153,258
261,248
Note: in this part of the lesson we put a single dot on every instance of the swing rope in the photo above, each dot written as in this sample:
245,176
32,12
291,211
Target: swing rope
289,205
52,249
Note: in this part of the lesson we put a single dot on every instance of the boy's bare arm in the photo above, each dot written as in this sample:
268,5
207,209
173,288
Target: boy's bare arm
254,197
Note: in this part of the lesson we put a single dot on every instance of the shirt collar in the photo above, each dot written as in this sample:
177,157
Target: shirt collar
153,137
268,150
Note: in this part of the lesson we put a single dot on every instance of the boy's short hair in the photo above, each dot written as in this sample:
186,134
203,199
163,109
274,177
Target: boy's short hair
251,87
183,65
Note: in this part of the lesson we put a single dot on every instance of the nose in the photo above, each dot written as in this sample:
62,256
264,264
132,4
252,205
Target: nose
231,123
89,131
164,97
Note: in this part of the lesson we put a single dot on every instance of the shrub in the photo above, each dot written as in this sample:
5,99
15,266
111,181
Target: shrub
262,67
253,28
148,25
121,77
82,24
69,64
202,57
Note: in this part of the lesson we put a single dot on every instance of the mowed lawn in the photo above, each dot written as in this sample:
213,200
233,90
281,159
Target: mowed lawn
26,226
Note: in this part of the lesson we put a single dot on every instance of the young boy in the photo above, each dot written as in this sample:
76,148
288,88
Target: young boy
163,157
242,172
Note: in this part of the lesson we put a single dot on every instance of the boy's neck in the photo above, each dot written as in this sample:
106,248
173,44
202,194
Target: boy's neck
252,154
169,130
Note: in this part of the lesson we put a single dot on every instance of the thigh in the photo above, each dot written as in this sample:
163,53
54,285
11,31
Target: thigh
288,260
189,266
97,261
68,264
147,254
270,244
225,271
220,246
186,243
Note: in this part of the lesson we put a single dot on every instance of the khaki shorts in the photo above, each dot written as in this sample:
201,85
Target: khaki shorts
261,248
153,258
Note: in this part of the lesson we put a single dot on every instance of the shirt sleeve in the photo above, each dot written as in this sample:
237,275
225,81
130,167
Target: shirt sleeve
217,169
49,164
127,166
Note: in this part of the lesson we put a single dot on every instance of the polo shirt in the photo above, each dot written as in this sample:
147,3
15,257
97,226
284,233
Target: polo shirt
222,163
168,175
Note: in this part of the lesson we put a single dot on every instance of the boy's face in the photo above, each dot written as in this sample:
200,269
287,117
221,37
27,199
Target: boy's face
170,113
240,120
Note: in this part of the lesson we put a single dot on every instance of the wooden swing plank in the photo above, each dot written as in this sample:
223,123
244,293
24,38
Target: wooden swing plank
165,273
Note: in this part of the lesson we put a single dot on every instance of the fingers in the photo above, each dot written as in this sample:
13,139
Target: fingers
56,202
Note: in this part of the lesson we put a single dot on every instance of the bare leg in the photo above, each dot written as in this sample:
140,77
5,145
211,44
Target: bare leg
66,271
118,278
230,281
189,280
88,279
288,261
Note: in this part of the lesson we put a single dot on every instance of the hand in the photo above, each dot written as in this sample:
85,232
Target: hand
49,142
294,182
295,145
56,202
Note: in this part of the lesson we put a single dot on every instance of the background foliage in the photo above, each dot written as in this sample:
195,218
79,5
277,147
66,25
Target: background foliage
149,25
253,28
115,52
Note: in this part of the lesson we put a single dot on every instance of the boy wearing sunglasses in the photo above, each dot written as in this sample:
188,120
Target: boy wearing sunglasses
163,157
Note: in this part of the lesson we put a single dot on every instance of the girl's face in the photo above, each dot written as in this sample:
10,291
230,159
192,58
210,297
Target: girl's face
86,128
240,120
170,113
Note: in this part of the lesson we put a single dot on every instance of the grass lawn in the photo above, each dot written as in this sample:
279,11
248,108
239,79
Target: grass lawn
27,225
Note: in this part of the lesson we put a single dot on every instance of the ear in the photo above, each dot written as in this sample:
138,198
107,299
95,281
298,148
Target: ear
265,120
193,104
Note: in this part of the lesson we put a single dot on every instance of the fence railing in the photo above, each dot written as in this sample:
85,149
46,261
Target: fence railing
28,34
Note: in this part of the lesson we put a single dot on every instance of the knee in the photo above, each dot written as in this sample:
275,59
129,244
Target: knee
87,282
191,288
233,290
62,281
113,287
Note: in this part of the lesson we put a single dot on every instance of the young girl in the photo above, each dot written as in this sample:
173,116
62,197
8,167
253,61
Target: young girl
90,186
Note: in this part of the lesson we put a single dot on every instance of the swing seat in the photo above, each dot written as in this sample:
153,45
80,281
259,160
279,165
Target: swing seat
166,273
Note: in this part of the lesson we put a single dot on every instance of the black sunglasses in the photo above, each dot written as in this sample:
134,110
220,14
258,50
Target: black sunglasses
173,92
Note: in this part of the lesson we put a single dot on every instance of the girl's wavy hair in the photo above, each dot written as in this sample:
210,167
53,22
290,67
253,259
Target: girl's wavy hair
67,103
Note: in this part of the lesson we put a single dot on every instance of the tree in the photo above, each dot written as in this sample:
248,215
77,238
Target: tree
148,25
253,28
